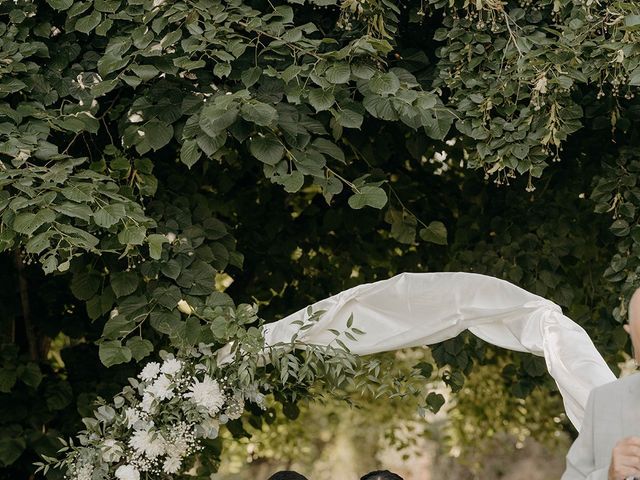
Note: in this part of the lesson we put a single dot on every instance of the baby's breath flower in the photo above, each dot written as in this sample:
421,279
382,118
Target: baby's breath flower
84,472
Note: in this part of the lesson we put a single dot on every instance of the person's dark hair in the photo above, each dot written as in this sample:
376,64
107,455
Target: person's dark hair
381,475
287,475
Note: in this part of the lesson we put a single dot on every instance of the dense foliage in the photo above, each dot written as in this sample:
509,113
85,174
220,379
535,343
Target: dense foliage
155,151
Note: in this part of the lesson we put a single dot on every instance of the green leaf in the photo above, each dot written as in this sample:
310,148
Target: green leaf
60,4
12,447
632,20
329,148
168,297
250,76
435,232
292,182
124,283
171,269
321,99
425,369
11,85
31,375
363,71
214,119
259,113
40,242
170,38
27,223
8,379
111,62
435,401
165,322
145,72
620,228
58,395
267,149
211,145
140,348
368,196
348,118
437,123
338,73
384,83
107,216
75,210
84,285
222,69
157,134
99,305
132,235
113,353
155,242
88,23
190,153
117,326
380,107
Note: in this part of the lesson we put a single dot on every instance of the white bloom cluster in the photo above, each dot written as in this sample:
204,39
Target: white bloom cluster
206,394
127,472
171,366
84,472
148,442
165,413
235,408
150,371
111,450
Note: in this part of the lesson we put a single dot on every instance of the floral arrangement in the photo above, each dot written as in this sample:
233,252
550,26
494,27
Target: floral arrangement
156,422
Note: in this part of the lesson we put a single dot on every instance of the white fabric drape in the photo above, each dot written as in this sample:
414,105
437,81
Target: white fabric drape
415,309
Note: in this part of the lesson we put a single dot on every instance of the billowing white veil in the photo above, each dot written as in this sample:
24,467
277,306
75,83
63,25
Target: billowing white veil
414,309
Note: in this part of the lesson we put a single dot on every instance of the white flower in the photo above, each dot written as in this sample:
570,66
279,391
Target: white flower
206,394
172,464
148,442
171,237
150,371
171,366
147,402
84,472
127,472
111,451
210,428
184,307
235,408
132,416
161,388
113,313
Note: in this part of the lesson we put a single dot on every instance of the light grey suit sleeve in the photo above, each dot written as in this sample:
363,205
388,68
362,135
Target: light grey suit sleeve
581,459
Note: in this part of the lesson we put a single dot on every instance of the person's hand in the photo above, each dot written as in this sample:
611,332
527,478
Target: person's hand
625,459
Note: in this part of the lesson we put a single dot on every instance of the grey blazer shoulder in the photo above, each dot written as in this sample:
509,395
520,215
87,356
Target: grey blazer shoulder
612,414
615,415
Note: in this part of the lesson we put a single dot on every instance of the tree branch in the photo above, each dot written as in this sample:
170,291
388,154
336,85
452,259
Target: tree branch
23,287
